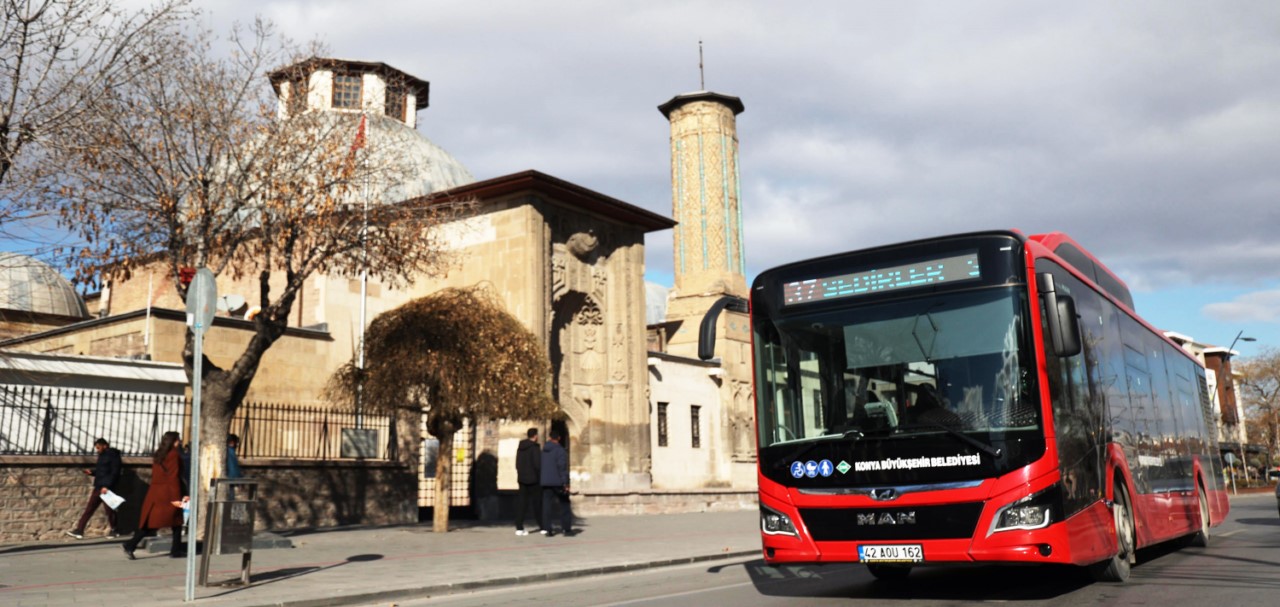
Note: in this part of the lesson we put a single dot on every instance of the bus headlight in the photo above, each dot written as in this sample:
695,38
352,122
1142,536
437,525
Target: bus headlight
1035,511
1023,517
773,522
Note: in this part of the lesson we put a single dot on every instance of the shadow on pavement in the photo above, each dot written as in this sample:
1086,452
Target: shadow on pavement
258,580
1258,521
956,583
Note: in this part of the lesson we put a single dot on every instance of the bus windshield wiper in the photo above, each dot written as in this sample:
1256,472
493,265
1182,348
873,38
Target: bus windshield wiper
853,433
994,452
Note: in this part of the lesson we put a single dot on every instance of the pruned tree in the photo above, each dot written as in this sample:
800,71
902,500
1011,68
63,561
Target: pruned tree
1259,387
55,55
193,167
454,355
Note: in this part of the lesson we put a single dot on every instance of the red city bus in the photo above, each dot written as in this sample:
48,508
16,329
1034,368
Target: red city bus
984,397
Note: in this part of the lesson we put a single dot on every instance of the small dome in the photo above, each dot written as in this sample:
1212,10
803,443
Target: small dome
30,285
431,168
413,166
655,302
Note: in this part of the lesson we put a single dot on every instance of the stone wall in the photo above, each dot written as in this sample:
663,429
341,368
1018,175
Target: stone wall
662,502
42,497
295,494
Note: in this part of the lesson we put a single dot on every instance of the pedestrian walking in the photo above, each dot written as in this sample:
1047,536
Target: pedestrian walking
158,510
529,477
555,484
105,473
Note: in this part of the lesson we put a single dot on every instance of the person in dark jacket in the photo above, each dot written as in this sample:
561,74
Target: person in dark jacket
233,460
158,508
529,476
555,484
105,473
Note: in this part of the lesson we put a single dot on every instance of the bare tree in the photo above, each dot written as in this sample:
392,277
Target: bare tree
454,355
193,167
1260,389
55,57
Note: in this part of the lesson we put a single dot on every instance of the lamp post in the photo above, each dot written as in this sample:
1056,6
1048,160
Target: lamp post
1231,350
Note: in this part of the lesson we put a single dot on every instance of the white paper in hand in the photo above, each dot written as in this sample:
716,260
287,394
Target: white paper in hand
112,500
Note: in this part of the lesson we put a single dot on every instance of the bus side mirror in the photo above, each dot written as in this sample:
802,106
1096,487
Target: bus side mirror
1060,312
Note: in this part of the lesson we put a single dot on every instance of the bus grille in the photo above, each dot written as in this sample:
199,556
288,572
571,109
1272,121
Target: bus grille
950,521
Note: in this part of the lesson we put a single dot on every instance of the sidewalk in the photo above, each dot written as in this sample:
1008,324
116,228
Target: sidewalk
358,565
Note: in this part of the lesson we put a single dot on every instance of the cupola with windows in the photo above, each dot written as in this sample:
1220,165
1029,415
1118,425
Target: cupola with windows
389,99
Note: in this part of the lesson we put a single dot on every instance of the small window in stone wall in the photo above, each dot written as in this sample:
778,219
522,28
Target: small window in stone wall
347,91
662,424
395,103
695,425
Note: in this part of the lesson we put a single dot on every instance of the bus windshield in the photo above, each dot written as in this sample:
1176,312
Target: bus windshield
948,362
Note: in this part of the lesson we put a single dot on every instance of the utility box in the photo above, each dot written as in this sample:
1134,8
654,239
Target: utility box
229,526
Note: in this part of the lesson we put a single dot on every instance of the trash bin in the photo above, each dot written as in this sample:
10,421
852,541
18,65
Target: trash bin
229,526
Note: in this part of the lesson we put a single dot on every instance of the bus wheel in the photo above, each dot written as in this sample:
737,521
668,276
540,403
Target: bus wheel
1200,538
889,572
1116,568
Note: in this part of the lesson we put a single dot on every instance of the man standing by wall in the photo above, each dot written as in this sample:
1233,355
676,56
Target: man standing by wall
233,459
105,473
529,475
555,484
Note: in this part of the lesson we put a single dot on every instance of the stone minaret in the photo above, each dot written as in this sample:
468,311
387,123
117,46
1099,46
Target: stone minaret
708,257
709,251
704,192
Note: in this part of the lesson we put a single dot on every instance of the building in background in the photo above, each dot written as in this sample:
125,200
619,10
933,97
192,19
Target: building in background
650,426
1228,411
701,411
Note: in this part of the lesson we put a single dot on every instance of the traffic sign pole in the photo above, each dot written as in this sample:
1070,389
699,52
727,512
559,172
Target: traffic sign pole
202,299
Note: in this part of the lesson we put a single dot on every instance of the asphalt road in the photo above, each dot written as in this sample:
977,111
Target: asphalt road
1241,567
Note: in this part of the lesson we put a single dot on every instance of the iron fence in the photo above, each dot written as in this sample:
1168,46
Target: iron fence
49,420
297,432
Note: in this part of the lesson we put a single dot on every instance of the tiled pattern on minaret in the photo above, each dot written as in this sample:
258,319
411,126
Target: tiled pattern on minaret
705,197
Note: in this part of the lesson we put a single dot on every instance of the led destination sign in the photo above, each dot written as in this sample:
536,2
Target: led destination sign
926,272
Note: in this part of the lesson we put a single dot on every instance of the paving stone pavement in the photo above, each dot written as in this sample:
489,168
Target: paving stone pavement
358,565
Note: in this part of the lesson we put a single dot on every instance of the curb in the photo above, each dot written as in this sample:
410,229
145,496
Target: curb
444,589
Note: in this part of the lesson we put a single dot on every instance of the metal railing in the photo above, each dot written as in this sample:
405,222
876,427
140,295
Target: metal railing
49,420
272,430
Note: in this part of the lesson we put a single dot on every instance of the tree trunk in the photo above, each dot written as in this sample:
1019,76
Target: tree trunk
444,469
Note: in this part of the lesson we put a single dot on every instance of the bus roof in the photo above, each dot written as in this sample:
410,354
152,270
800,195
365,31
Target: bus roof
1071,252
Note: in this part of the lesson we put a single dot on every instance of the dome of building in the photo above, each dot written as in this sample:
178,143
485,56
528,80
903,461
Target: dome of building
427,167
655,302
30,285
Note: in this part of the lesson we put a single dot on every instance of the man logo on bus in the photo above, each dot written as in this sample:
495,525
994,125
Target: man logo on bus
888,518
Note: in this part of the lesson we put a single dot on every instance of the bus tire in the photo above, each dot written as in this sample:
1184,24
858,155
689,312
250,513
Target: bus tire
889,573
1200,539
1117,568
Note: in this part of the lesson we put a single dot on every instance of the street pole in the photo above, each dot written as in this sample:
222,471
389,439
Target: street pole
1231,351
202,297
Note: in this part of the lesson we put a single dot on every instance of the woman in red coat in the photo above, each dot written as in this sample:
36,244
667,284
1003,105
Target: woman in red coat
166,487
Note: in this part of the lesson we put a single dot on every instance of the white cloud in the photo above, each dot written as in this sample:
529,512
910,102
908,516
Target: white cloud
1258,306
1144,129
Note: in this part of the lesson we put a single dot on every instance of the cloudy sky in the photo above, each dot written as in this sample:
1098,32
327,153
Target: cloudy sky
1149,131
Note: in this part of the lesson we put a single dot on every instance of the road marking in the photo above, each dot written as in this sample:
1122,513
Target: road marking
1231,533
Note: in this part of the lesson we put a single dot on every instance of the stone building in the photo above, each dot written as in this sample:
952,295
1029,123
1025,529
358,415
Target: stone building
702,410
568,262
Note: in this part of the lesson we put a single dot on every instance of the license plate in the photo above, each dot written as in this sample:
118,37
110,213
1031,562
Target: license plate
891,553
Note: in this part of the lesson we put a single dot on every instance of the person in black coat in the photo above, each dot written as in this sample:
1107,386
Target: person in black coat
529,476
105,473
555,484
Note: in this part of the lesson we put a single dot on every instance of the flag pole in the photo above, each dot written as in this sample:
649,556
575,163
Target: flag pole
364,274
